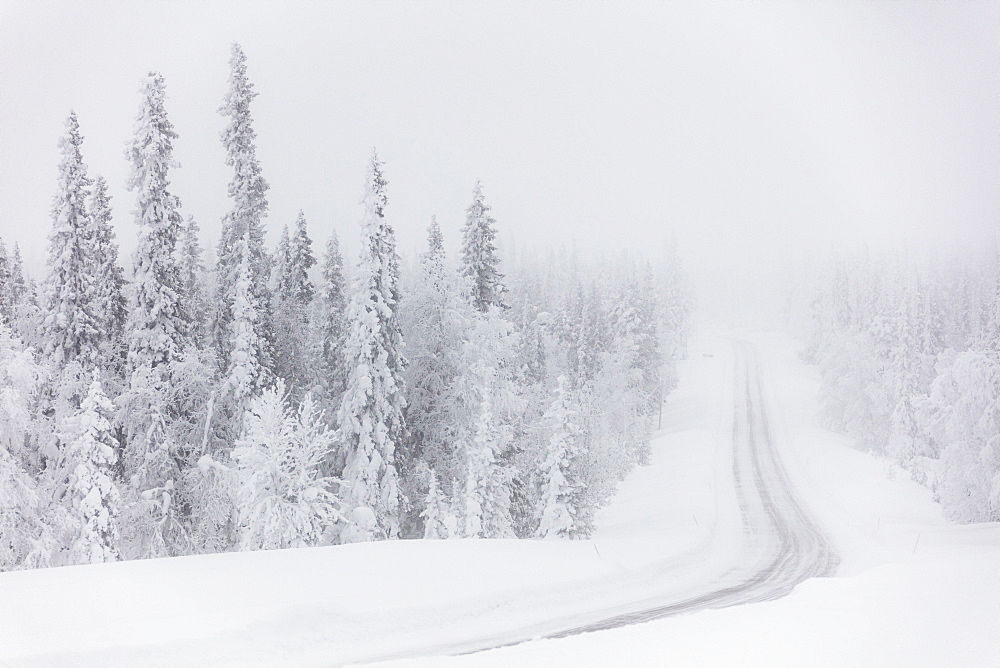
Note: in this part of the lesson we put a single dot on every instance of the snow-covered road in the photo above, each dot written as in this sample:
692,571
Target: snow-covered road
780,544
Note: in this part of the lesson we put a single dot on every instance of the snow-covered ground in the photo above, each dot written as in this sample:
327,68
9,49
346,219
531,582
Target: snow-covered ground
911,589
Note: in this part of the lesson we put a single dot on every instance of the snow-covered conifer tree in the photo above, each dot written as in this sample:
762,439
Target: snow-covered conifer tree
283,499
295,285
70,328
18,282
95,496
436,320
371,412
294,356
279,262
480,264
156,323
245,376
243,224
561,493
7,303
332,323
436,514
157,332
487,483
194,279
109,279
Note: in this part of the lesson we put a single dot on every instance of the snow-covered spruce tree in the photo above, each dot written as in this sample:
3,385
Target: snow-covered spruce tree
560,513
480,264
279,261
194,282
18,282
108,297
295,285
156,330
22,297
436,514
674,324
294,356
7,302
244,376
489,390
70,328
488,484
243,224
436,319
95,496
283,499
29,538
331,321
156,325
371,412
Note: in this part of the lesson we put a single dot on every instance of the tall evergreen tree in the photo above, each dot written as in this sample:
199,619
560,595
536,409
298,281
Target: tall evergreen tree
19,288
280,261
295,285
7,303
156,322
371,412
295,358
243,224
480,264
562,497
108,294
488,482
332,320
436,321
95,496
245,376
194,278
70,329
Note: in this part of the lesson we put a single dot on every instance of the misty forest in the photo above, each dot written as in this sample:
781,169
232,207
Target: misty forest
277,388
261,398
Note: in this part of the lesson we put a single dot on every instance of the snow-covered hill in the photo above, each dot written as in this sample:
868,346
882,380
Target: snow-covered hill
910,589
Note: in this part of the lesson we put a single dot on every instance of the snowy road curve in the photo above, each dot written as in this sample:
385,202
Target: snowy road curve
781,544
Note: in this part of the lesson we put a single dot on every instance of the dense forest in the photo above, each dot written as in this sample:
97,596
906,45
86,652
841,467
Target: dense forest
270,398
909,355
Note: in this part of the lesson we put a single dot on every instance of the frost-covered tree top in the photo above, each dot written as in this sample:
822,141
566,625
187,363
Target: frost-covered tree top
480,263
371,411
333,274
294,284
156,321
244,221
70,327
248,187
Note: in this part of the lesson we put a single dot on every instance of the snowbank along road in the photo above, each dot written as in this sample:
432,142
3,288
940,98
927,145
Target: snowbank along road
780,544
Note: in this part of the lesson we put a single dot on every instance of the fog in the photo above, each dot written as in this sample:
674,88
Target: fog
754,132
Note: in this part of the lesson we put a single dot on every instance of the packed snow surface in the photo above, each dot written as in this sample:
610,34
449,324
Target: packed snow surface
909,588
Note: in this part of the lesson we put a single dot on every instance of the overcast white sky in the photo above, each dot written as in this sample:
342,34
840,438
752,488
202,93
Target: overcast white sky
751,129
